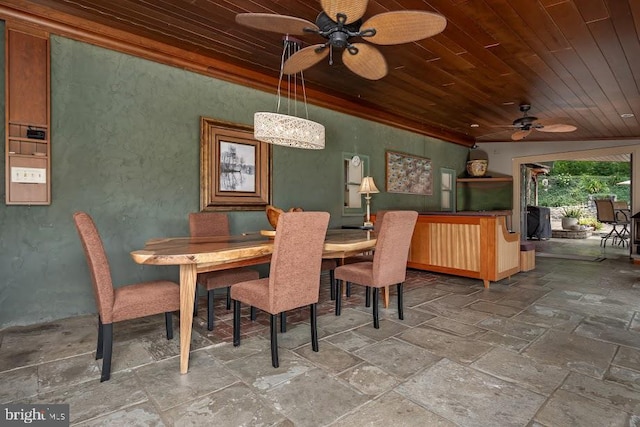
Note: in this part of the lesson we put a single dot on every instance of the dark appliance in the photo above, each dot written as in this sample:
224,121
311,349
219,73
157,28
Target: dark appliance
538,222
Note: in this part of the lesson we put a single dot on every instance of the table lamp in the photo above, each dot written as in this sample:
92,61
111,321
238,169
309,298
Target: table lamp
368,187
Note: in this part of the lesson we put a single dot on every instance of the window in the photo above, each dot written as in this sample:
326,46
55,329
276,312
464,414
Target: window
354,168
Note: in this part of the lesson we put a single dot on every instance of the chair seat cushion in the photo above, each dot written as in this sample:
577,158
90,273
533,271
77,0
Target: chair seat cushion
358,258
224,278
253,292
145,299
360,273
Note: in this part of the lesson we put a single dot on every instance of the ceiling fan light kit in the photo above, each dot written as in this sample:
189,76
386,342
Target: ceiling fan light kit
339,21
288,129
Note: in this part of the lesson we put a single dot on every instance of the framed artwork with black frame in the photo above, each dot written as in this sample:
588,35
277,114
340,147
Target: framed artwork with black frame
235,168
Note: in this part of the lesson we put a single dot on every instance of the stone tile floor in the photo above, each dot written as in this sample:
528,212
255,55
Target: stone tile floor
556,346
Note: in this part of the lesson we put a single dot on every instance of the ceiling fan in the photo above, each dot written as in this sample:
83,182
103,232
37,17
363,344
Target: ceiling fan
526,124
338,22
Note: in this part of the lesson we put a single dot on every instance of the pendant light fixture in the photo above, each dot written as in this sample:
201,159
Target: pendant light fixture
289,129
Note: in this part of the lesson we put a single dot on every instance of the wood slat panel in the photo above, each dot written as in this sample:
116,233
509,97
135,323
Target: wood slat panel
577,59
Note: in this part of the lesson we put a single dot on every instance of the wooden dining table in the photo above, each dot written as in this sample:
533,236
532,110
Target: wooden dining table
201,254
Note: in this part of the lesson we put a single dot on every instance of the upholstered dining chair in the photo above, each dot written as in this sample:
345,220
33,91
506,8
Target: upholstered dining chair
294,277
327,265
389,265
368,257
212,224
122,303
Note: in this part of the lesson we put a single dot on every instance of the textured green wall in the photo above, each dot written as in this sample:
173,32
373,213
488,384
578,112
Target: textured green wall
125,148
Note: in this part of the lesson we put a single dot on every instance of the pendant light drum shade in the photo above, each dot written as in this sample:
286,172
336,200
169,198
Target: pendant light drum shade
291,131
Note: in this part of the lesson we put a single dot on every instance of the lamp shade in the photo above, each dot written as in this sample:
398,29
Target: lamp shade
282,129
368,186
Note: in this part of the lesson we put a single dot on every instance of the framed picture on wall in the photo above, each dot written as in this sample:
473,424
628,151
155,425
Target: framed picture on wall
235,168
408,174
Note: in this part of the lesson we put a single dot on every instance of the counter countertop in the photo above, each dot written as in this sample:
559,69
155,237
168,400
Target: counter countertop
469,213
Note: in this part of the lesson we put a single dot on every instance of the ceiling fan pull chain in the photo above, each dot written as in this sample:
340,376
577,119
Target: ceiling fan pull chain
330,55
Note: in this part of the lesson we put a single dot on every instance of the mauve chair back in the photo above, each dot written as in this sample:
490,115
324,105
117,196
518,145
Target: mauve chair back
378,223
392,247
294,277
208,224
98,265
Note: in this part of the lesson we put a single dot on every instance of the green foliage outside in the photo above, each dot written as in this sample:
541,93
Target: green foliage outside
572,183
591,222
570,212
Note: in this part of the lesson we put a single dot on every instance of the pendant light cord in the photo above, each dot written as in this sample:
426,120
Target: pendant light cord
289,49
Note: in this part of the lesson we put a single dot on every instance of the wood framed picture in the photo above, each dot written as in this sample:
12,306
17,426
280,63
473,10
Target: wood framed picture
409,174
235,168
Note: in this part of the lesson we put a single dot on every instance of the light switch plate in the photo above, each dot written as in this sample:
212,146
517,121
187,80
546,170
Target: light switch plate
28,175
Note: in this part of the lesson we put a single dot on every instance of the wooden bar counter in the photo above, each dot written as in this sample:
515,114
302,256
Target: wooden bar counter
470,244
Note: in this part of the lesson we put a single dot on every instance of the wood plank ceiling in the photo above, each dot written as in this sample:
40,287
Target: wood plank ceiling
574,61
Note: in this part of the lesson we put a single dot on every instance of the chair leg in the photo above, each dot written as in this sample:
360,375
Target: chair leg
236,323
400,302
274,341
367,296
210,310
100,339
168,321
376,317
283,322
338,296
107,331
348,293
195,302
313,313
604,239
332,284
228,297
385,296
252,313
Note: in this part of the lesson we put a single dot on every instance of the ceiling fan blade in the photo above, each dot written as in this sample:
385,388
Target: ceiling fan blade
404,26
304,58
276,23
352,9
520,134
557,127
368,62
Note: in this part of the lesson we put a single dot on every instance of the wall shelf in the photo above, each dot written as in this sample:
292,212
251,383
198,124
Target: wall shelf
485,179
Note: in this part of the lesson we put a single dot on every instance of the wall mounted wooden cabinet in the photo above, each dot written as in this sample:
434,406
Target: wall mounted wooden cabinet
28,130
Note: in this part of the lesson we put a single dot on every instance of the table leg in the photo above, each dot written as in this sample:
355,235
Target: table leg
385,296
188,273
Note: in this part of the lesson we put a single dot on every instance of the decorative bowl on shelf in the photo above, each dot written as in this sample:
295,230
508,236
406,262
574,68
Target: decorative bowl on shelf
273,213
477,168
